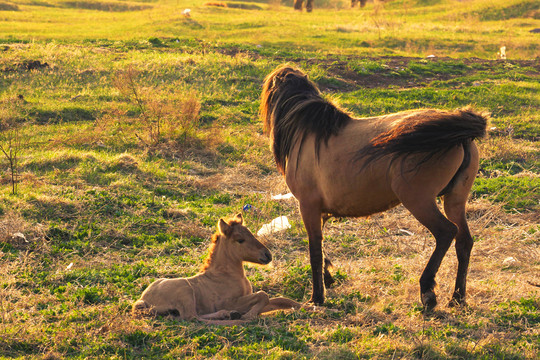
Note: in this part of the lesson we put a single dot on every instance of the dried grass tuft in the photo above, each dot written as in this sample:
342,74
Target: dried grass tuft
126,162
15,230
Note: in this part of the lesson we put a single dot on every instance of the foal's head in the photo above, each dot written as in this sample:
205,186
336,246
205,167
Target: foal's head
234,239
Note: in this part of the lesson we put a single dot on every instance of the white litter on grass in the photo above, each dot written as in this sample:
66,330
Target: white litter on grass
502,53
283,196
431,56
19,236
186,12
405,232
278,224
69,266
509,261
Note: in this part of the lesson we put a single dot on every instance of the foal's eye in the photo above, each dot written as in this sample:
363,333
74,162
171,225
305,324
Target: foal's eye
240,241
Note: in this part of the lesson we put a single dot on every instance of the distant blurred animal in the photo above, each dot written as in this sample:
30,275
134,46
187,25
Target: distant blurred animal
216,3
221,291
336,165
362,3
298,5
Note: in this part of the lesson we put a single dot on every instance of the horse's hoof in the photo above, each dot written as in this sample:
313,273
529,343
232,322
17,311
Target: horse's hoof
328,280
235,315
457,302
429,300
317,302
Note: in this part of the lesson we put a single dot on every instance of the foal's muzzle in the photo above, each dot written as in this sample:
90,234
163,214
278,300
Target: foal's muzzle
266,257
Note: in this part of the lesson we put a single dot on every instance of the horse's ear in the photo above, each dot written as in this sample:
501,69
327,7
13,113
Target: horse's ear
224,228
239,218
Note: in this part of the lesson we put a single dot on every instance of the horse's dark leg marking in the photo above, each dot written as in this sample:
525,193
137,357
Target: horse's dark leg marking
298,4
464,245
309,5
313,223
444,232
328,279
454,208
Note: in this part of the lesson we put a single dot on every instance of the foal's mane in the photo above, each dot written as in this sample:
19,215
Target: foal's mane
292,108
215,239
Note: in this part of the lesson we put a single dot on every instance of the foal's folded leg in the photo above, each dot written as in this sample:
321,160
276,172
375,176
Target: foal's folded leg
281,303
218,315
249,305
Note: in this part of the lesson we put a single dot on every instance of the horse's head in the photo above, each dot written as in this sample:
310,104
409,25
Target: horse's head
240,241
281,85
292,107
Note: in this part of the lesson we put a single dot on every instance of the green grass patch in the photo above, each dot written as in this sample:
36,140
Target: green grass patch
515,193
118,187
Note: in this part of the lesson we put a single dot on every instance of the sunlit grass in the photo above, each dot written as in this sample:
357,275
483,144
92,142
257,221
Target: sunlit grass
451,28
105,213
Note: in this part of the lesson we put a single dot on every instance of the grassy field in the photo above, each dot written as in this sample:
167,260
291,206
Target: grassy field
137,129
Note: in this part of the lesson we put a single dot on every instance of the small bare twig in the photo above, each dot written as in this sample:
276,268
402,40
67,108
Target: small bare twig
11,144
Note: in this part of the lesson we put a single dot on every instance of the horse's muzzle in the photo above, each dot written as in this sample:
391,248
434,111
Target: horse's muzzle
266,257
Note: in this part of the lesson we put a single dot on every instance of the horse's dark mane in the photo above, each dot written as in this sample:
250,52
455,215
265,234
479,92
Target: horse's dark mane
292,108
213,245
427,132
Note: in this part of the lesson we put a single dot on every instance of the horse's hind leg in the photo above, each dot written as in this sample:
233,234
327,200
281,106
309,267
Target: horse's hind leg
464,243
454,208
429,215
281,303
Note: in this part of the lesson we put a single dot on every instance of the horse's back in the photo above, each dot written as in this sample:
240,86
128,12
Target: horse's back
340,184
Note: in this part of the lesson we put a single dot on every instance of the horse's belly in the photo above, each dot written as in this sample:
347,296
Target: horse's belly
359,198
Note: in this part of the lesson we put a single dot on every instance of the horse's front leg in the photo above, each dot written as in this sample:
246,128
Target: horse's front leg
249,305
313,223
328,279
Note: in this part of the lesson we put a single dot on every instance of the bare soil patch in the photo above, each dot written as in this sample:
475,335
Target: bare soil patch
386,77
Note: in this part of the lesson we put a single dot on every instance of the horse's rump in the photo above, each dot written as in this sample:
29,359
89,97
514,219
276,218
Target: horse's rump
427,132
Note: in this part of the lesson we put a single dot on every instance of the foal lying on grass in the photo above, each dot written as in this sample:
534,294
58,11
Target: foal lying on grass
221,291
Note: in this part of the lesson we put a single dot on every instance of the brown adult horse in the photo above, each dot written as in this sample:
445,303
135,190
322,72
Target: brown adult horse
298,4
336,165
221,291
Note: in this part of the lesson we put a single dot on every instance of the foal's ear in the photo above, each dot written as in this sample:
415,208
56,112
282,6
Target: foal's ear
224,228
239,218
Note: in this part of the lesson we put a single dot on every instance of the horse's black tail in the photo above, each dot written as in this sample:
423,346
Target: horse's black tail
427,132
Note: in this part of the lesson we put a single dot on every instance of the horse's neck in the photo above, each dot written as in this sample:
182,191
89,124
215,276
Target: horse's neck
223,263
